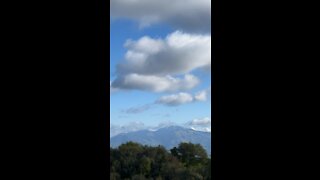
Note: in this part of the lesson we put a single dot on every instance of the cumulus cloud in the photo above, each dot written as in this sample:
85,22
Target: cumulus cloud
203,124
203,95
188,15
155,83
184,98
156,64
178,53
175,99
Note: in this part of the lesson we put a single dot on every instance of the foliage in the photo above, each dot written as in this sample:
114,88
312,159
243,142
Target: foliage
137,162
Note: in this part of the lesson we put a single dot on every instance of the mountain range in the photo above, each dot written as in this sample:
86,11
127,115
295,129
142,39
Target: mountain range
168,137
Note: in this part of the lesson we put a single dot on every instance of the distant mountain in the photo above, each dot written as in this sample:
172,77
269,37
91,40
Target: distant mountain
168,137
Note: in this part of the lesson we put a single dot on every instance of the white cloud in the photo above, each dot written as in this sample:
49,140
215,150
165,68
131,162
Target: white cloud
184,98
203,95
162,125
175,99
136,126
203,124
172,100
178,53
155,64
189,15
155,83
130,127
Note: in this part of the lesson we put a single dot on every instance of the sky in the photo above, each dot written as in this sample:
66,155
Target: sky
160,64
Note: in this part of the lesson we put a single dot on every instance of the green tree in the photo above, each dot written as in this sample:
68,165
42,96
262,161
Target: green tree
172,168
114,176
190,154
139,177
145,165
133,161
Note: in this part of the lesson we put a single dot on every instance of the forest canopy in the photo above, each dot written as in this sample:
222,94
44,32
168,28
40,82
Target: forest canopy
133,161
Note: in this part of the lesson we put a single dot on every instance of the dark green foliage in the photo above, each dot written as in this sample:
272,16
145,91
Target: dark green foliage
190,154
137,162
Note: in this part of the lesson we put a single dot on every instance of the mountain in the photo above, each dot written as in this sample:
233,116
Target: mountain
168,137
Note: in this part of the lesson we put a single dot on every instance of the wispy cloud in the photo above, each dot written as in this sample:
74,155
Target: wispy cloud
172,100
130,127
136,126
155,83
138,109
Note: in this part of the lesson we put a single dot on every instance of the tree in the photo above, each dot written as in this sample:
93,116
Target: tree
133,161
172,168
190,154
114,176
138,177
145,165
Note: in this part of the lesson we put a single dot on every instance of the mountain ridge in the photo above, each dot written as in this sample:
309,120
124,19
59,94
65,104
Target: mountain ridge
169,137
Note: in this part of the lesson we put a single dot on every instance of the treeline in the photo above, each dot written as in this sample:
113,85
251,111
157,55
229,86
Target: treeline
132,161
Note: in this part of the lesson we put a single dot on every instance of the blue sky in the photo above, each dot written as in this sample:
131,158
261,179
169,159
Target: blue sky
160,66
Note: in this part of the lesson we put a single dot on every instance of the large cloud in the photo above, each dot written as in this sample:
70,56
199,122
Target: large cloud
155,83
188,15
154,64
178,53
